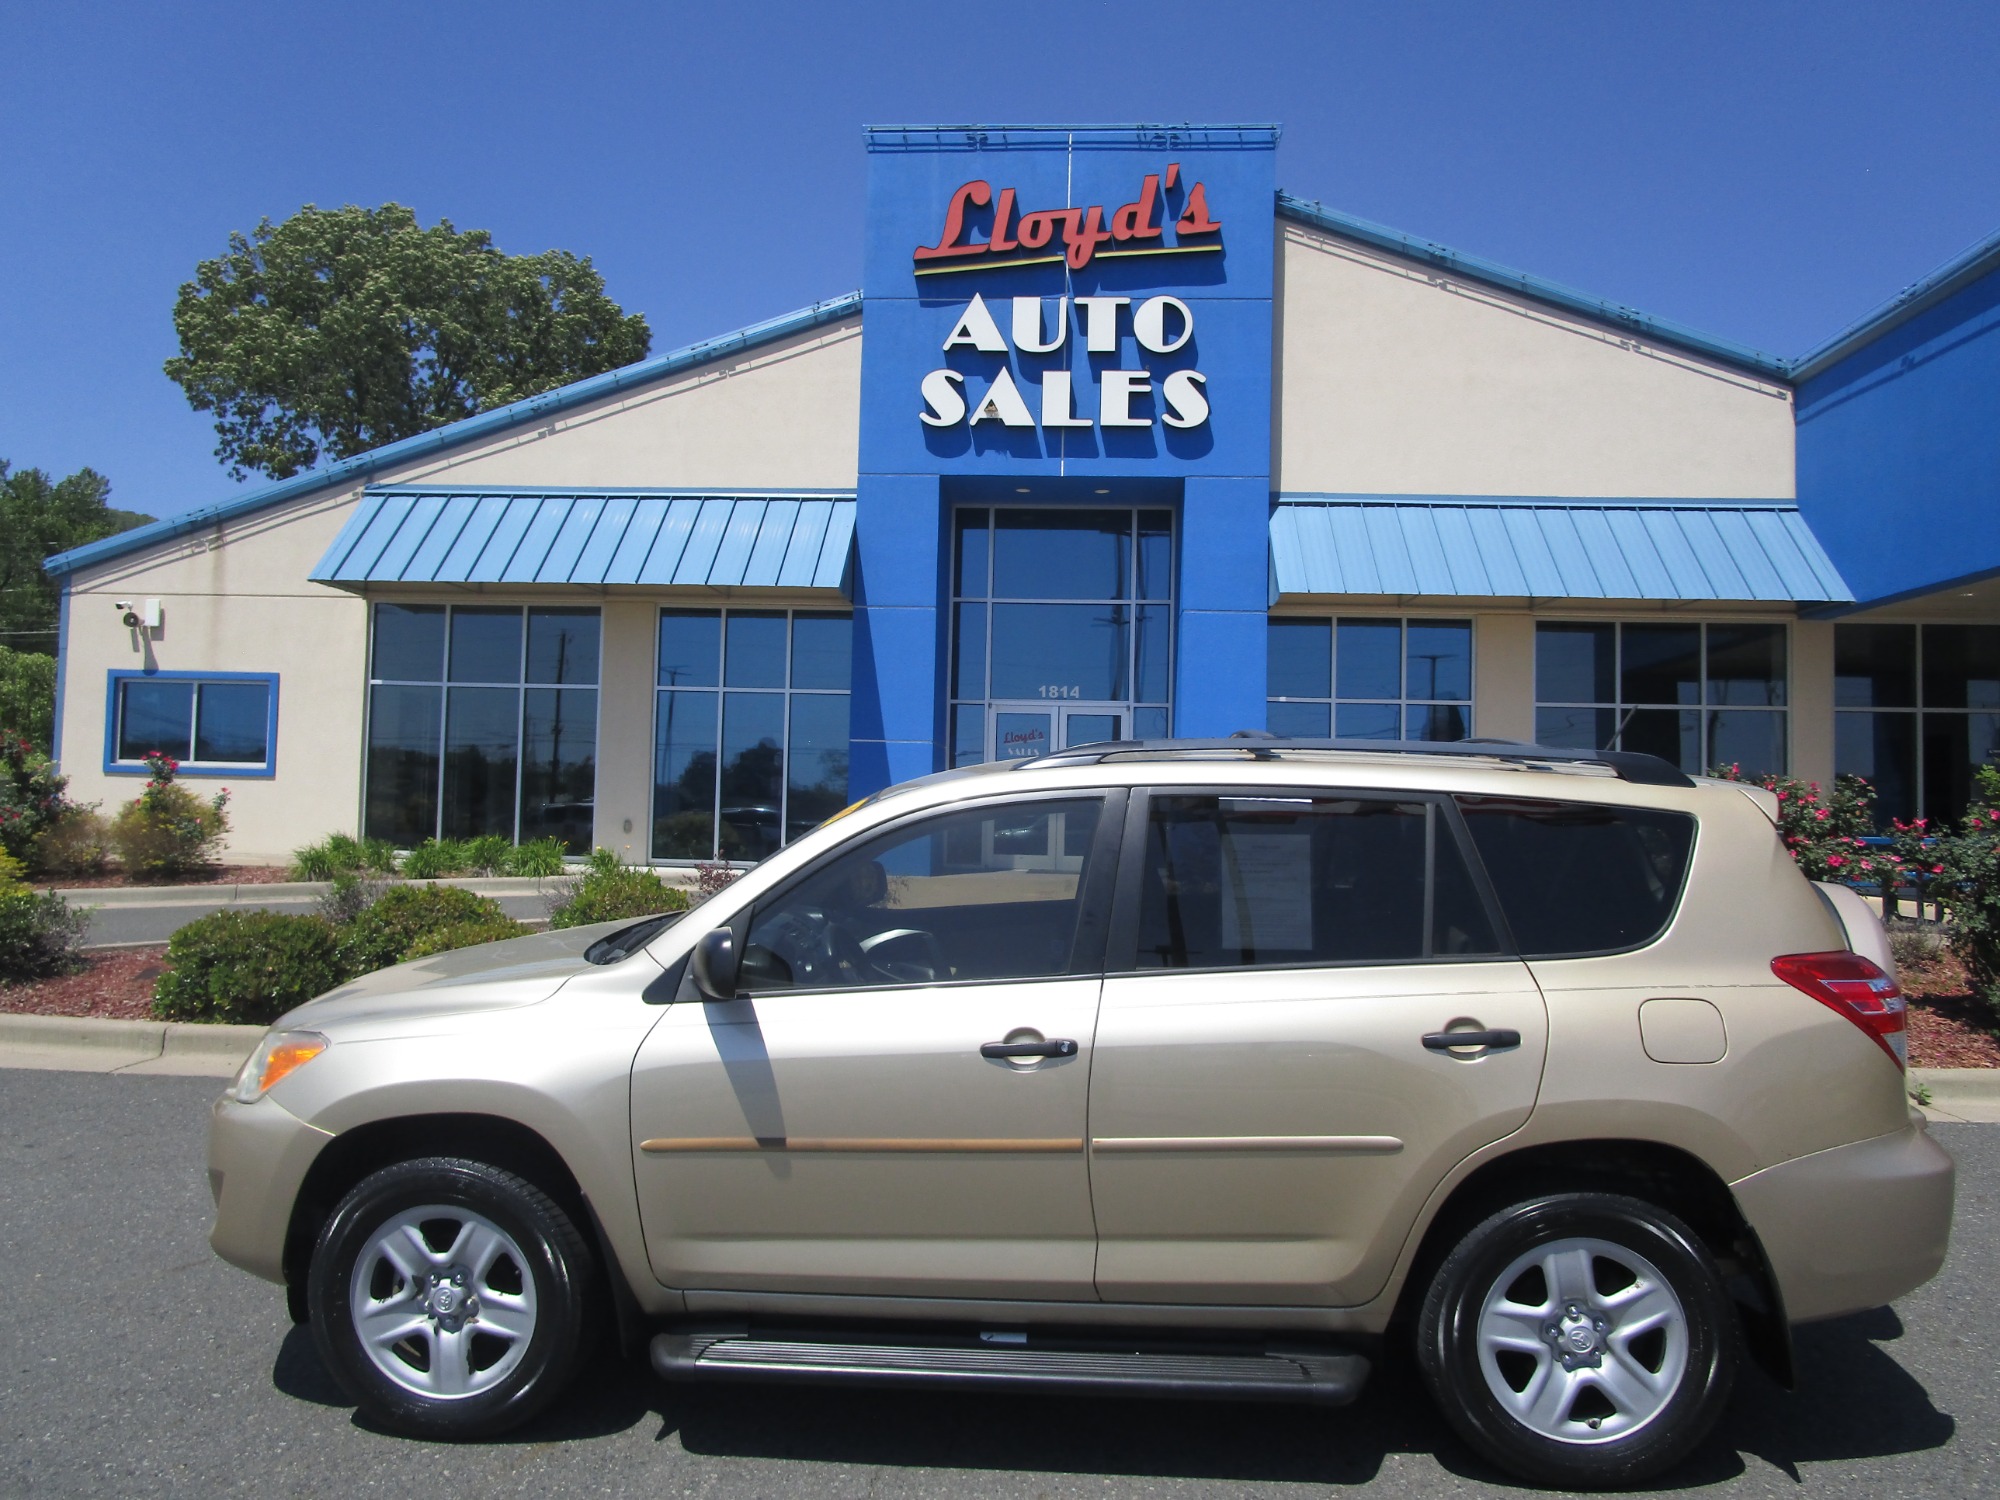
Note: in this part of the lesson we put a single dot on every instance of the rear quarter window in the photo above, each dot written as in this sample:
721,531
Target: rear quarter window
1576,878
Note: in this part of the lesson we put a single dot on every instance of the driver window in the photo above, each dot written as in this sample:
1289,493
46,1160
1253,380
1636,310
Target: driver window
986,893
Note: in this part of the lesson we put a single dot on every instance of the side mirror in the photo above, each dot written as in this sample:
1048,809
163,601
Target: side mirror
714,964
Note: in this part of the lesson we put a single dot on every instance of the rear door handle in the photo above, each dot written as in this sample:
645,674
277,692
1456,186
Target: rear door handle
1060,1046
1444,1041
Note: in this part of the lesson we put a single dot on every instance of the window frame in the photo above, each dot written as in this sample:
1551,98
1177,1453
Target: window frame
1089,950
1404,703
115,681
1122,943
720,692
1622,709
445,683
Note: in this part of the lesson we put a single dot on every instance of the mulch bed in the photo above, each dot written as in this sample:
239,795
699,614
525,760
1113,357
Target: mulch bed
207,875
115,986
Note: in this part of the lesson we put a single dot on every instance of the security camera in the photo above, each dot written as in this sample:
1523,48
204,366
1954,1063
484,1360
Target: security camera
128,616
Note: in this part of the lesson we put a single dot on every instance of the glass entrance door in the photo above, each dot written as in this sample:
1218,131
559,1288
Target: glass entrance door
1022,731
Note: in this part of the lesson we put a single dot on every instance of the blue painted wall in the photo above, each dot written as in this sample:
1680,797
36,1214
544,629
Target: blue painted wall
1899,450
1223,277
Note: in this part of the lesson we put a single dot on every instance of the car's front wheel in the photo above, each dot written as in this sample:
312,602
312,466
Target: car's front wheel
448,1297
1579,1340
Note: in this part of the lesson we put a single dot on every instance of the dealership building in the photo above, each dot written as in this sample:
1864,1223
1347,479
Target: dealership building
1116,441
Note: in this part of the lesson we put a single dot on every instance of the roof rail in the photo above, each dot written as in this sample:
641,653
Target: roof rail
1627,765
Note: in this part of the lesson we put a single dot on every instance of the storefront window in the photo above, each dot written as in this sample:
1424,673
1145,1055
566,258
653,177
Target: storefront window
1062,629
1369,679
1917,712
750,730
482,719
1696,695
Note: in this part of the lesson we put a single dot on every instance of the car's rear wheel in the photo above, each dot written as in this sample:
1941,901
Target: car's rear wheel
1579,1340
448,1297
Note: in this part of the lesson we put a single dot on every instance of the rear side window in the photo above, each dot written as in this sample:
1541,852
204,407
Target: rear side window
1575,878
1303,879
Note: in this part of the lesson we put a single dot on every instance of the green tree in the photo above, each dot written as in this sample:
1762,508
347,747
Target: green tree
340,330
27,697
38,517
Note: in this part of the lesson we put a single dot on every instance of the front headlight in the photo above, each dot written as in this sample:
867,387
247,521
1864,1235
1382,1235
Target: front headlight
279,1053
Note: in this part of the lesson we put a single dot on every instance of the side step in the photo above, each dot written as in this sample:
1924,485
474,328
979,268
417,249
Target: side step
1323,1377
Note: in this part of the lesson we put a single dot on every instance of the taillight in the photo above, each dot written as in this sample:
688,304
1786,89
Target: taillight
1852,985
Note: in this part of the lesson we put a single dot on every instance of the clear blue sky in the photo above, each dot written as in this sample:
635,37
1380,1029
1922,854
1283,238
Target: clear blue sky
1767,172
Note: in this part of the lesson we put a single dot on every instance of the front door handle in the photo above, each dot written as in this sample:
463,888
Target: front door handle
1444,1041
1060,1046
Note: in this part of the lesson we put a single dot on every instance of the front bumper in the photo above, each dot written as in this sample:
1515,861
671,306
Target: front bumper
258,1156
1856,1226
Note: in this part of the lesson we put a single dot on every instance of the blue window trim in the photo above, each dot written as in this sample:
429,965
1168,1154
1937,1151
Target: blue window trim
116,767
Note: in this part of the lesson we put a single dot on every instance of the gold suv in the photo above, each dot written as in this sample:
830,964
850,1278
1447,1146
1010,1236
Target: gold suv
1192,1069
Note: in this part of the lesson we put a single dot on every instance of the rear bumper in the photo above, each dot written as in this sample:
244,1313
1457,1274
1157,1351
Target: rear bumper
1856,1226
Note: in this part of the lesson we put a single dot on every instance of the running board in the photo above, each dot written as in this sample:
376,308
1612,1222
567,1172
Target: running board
1323,1377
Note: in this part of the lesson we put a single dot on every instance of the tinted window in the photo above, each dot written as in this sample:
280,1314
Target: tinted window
1231,881
987,893
1574,878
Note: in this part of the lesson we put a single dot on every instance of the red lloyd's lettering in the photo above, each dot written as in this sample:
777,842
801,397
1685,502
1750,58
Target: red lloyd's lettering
1083,229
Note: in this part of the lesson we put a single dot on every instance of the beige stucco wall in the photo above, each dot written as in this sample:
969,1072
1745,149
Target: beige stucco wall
235,596
1392,378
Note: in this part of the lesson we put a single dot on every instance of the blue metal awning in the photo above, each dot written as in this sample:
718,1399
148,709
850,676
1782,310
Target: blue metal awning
597,537
1469,546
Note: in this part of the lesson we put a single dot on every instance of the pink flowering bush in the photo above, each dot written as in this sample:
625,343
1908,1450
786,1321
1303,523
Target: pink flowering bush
167,830
1826,832
1968,885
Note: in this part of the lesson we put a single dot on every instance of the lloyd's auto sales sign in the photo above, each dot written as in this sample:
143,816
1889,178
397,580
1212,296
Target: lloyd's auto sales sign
1069,301
1070,237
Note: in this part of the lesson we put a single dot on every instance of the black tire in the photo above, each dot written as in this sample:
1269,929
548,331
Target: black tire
546,1269
1559,1445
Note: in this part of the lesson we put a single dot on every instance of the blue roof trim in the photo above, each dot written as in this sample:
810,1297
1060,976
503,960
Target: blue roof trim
1472,546
459,535
1262,136
1550,293
1919,296
487,423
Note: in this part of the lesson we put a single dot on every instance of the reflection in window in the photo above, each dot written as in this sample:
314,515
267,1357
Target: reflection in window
1238,881
984,893
750,736
1696,695
482,719
1058,605
1369,679
1917,712
206,725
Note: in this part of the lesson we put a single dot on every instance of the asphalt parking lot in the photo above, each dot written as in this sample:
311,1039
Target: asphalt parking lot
133,1363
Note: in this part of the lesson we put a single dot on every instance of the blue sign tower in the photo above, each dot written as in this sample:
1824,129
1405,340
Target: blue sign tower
1064,485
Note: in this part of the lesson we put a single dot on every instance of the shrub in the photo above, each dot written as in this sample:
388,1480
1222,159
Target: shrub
333,856
434,858
78,842
543,857
246,966
610,890
1825,833
39,934
386,931
32,798
167,830
487,854
465,935
1969,891
348,898
378,856
710,878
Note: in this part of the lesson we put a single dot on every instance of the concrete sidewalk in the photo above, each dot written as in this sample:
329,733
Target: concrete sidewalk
138,915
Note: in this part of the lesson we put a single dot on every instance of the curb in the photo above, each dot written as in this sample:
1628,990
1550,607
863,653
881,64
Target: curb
1958,1085
185,1039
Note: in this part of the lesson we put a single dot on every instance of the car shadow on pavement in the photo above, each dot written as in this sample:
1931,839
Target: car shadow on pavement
1844,1370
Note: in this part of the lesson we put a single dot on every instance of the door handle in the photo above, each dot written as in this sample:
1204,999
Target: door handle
1060,1046
1444,1041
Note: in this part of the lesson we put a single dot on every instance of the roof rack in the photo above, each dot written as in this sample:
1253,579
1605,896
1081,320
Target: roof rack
1258,744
